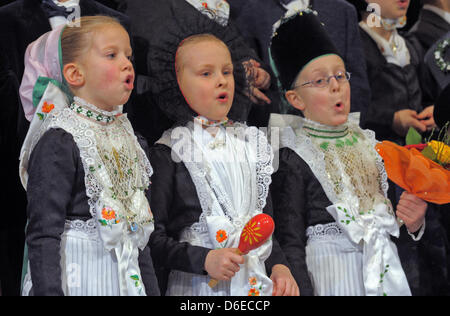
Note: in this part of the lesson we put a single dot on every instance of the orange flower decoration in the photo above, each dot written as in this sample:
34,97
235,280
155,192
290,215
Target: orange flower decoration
415,173
252,281
253,292
46,108
221,236
108,213
205,5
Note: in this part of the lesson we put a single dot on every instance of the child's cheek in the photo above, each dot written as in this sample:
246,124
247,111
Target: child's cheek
110,75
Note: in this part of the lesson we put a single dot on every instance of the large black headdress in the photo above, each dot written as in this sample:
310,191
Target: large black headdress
297,40
162,55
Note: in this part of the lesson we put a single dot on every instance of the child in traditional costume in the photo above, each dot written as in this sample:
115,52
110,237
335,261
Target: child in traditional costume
212,174
85,172
402,89
332,215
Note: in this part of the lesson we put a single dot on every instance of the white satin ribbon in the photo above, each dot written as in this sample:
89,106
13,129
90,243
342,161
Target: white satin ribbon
251,279
117,237
382,272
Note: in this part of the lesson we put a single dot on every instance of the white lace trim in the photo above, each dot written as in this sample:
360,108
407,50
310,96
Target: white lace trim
209,191
324,232
88,227
84,136
300,143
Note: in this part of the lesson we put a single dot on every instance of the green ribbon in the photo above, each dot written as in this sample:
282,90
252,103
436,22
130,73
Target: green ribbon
41,85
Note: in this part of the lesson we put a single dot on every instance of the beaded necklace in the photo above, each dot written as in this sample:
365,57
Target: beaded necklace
90,111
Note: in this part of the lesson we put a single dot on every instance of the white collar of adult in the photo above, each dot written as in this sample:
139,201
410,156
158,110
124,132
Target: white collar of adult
218,10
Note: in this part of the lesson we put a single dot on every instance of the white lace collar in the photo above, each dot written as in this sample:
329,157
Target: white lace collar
395,50
218,10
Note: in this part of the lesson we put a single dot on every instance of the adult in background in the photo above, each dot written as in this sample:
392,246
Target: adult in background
149,21
255,19
433,22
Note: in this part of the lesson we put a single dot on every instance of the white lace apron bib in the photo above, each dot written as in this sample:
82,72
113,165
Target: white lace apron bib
231,176
353,177
117,172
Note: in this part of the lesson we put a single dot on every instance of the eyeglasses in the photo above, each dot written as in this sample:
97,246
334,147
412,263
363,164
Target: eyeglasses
323,82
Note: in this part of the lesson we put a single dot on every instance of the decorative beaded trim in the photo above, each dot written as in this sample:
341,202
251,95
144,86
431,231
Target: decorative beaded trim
91,114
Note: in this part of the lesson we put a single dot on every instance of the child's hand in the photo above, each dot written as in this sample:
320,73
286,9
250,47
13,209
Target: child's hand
283,282
411,210
404,119
426,117
222,264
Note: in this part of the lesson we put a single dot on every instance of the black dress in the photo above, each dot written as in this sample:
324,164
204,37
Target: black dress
298,202
429,28
56,194
175,205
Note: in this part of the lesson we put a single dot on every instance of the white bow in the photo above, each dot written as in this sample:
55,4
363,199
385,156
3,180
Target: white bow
382,273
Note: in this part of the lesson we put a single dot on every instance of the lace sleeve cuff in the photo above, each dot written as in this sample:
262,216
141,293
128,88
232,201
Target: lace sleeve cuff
417,235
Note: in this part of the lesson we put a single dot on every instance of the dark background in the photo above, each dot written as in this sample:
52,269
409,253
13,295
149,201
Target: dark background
413,11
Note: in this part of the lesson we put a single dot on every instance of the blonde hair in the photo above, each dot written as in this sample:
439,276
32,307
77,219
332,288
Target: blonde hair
75,41
194,39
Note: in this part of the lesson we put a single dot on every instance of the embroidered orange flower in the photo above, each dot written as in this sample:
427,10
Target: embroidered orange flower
221,236
46,108
252,281
108,213
205,5
253,292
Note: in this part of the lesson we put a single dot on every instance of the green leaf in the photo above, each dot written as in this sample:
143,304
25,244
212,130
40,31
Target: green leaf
429,153
103,222
41,116
134,277
413,137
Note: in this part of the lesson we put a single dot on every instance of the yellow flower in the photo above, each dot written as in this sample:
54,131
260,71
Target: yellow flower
442,151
